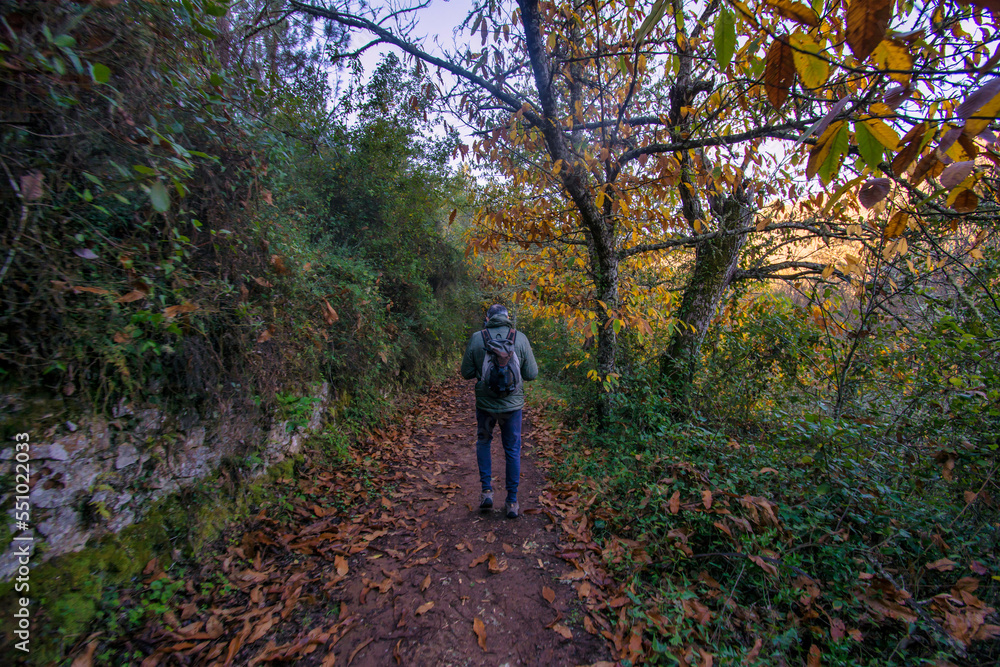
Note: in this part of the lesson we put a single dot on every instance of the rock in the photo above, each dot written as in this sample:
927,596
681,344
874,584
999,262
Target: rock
63,529
54,452
10,559
127,455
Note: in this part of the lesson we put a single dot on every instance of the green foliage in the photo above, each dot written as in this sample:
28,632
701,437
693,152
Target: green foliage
847,504
194,228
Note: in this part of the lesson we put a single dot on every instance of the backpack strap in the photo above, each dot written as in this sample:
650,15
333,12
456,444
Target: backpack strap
512,335
486,337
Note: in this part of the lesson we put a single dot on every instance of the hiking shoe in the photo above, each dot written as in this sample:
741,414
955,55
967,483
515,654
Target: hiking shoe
486,500
512,510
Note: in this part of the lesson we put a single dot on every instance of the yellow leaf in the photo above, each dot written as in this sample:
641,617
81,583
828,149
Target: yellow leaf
821,151
885,134
897,224
424,608
795,11
982,118
813,70
895,59
882,110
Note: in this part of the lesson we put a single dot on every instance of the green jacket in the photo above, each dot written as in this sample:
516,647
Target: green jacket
472,364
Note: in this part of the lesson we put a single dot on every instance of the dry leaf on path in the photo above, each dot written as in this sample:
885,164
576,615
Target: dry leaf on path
495,566
479,559
563,630
359,648
341,564
426,583
480,629
424,608
548,594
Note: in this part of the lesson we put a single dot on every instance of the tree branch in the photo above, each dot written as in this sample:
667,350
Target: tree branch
513,103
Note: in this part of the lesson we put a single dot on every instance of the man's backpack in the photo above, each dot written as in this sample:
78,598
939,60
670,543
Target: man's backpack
501,368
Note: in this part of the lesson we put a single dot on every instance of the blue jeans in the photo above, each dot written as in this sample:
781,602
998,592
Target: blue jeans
510,435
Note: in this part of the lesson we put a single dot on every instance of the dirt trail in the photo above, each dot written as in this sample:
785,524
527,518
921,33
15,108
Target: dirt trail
440,489
412,574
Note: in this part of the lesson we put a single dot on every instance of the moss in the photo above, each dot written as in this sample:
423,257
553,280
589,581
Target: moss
67,591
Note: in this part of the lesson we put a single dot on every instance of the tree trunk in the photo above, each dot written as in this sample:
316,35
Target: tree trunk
599,226
606,281
716,260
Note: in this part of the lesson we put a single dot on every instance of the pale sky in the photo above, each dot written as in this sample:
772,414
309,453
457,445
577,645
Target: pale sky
436,23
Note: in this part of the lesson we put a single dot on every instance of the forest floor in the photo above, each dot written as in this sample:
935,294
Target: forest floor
389,562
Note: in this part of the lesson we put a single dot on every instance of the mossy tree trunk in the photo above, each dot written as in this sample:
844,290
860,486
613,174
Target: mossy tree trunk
716,261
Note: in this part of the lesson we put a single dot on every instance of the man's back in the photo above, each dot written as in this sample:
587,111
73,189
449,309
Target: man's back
498,327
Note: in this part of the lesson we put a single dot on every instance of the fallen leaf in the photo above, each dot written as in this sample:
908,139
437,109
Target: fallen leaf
675,502
214,627
491,537
764,565
754,652
134,295
495,566
706,499
341,564
426,583
548,594
480,629
479,559
86,659
563,630
329,314
424,608
358,649
174,311
978,568
942,565
814,656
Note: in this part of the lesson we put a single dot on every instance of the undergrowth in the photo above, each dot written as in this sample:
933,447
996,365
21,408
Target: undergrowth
758,544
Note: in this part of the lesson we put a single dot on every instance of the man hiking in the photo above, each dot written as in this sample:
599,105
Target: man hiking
500,358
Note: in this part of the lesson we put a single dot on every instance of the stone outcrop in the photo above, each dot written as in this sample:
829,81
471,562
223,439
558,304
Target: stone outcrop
99,475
